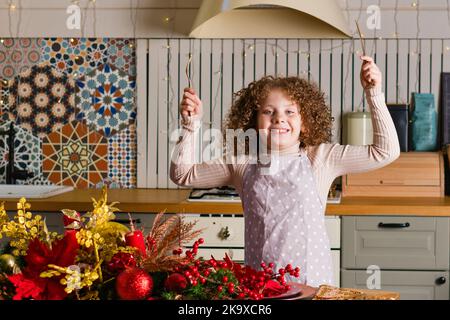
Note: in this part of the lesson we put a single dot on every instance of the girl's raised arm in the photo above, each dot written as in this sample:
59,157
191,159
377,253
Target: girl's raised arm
344,159
183,169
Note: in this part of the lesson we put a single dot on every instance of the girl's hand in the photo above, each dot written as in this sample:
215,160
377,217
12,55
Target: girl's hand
370,74
191,105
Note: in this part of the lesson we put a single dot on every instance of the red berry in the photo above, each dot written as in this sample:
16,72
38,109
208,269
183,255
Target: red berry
225,279
201,240
288,267
271,265
219,288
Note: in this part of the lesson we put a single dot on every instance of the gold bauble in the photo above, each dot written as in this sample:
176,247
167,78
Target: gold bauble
8,264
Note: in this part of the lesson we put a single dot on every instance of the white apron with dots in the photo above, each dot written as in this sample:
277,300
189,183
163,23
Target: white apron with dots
285,219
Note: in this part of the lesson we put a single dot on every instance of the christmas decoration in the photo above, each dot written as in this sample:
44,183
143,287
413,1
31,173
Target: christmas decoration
134,284
8,264
97,258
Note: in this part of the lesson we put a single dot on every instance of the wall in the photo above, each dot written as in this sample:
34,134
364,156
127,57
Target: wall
411,48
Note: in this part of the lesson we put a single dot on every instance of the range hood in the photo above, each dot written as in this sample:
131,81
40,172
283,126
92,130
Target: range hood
270,19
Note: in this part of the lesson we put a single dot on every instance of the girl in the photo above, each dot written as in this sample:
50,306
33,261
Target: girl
285,211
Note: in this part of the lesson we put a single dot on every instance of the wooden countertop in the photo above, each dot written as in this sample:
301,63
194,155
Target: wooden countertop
173,200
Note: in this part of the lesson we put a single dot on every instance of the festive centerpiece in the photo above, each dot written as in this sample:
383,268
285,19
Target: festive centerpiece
97,258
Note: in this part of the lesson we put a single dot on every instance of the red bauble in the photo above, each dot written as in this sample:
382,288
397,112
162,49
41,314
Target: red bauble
175,282
134,284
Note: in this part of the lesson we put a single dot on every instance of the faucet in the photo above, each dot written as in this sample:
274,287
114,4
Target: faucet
12,173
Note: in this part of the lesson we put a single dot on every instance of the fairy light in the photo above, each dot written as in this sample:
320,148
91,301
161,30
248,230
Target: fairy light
414,4
12,7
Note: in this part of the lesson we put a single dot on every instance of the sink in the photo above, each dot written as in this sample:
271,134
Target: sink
14,191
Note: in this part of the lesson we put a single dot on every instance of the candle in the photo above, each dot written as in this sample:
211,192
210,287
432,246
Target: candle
135,239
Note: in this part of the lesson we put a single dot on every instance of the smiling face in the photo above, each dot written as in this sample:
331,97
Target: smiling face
279,121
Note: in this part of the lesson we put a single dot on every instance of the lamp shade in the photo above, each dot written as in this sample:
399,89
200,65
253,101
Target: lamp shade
270,19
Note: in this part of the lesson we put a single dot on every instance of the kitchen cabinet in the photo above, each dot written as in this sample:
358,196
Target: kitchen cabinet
412,254
412,285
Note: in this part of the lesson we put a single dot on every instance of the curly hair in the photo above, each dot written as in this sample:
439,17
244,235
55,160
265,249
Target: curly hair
314,112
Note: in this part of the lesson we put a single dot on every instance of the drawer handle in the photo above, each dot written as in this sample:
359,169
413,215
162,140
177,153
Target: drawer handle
441,280
127,221
393,225
224,233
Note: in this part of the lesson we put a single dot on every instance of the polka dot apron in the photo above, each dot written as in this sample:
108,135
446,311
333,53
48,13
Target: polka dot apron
285,219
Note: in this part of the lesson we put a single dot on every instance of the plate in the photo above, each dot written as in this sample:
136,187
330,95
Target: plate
298,291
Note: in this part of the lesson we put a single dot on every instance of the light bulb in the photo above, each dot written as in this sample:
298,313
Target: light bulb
12,6
130,45
167,19
447,48
414,4
2,40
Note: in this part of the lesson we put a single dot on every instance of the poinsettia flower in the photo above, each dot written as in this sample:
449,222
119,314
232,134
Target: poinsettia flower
29,284
25,288
273,288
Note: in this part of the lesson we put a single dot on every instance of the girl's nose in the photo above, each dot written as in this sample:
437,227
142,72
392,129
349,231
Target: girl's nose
278,118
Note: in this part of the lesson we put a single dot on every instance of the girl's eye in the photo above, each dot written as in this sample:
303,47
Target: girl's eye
267,112
290,112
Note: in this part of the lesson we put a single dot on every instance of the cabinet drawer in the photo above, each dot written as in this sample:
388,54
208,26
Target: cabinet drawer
220,231
412,285
424,244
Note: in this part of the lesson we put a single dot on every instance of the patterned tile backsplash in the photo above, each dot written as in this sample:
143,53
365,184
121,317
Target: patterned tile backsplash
73,105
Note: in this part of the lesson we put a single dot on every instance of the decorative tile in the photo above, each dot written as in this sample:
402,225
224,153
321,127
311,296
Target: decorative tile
17,55
74,56
41,99
4,93
111,184
37,180
75,155
122,54
105,100
27,152
122,157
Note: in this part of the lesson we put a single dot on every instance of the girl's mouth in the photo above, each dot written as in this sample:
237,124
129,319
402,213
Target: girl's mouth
280,131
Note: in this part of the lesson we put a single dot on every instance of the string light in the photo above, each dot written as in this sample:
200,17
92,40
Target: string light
72,40
414,4
167,19
2,40
12,7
